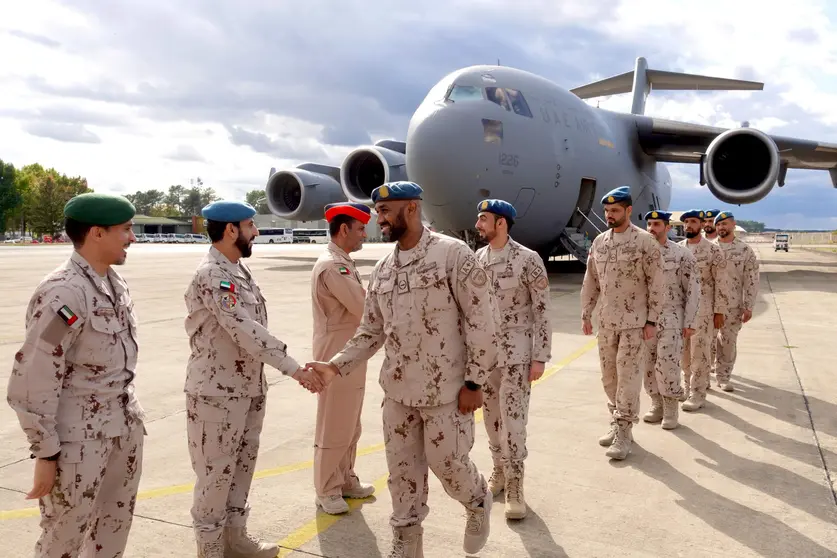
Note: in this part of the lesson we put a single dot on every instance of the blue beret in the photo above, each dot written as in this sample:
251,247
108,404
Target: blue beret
723,215
498,207
711,213
621,193
393,191
693,214
355,210
102,210
228,211
658,214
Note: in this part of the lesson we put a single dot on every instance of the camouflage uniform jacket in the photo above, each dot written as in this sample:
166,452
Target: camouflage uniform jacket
625,276
741,280
710,262
227,328
681,295
521,286
73,378
434,314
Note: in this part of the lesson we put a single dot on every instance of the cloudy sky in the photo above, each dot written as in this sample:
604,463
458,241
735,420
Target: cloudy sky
140,94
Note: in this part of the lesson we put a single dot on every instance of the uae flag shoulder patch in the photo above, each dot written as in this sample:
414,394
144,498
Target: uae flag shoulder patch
67,315
344,270
227,286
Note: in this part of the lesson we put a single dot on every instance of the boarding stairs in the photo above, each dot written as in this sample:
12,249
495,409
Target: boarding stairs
575,241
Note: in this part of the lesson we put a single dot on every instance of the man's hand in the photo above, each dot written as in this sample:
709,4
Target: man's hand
469,401
718,321
746,315
587,327
649,332
688,332
324,371
536,370
45,472
308,379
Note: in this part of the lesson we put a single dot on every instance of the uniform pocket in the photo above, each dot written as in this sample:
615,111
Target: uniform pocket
216,435
67,489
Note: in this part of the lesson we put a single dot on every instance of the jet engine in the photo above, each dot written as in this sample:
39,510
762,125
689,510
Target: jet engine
367,167
301,193
741,166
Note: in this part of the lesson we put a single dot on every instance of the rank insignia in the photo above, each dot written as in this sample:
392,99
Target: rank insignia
67,315
227,286
344,270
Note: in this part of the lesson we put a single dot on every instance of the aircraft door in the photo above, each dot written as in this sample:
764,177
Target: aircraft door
584,203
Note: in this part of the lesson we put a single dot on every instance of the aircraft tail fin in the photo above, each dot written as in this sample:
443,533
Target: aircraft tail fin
640,81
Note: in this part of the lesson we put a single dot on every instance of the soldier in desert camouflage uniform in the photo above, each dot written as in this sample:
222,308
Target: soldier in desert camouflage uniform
697,349
741,285
72,387
624,274
521,287
681,296
711,234
225,383
430,306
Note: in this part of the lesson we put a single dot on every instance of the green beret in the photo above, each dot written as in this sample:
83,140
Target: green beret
103,210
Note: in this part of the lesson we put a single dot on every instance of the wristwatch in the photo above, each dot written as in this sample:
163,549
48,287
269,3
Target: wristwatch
473,386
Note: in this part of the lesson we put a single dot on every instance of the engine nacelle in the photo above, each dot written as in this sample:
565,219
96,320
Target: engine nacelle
741,165
301,193
367,167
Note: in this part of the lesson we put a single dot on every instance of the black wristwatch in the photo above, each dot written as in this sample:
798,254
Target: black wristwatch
473,386
50,458
649,322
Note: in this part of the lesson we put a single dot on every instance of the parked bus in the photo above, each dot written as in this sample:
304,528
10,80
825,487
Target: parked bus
313,236
274,236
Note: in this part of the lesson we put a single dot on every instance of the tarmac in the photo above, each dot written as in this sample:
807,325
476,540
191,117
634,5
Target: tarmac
751,474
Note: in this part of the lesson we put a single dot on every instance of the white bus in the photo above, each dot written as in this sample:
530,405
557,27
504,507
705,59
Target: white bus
312,236
274,236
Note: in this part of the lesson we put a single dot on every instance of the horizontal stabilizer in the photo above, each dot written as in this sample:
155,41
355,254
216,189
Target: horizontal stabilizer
642,81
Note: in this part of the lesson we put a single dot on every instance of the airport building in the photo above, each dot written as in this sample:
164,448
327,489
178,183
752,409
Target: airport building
143,224
373,231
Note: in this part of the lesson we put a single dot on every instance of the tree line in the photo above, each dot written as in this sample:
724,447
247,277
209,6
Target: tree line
184,203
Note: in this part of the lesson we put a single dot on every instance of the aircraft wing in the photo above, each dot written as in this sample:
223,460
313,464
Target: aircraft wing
681,142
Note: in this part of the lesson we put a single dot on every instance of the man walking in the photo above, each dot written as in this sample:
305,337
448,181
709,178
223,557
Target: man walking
337,298
225,383
681,296
711,234
521,286
624,274
741,287
72,387
697,349
430,306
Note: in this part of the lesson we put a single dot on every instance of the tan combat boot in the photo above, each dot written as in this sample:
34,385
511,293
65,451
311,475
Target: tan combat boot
670,413
621,446
655,413
240,544
694,402
686,387
725,386
497,482
213,549
478,525
333,504
407,542
607,439
515,504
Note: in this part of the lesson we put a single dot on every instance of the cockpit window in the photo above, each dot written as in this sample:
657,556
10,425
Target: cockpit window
509,99
465,93
497,95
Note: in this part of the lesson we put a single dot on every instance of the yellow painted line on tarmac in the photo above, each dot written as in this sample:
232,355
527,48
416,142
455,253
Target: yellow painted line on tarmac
323,522
285,469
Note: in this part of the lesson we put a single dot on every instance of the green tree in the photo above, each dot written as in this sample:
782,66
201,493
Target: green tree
10,197
46,199
751,226
148,202
257,199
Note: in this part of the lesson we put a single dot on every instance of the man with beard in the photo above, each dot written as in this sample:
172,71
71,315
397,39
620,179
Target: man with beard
430,305
712,236
681,296
741,285
697,349
225,383
337,299
624,273
521,287
72,387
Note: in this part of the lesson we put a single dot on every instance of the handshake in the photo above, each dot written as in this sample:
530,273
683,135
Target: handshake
315,376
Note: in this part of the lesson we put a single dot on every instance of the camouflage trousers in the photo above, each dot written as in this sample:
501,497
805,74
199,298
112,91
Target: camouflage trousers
621,353
662,363
90,509
727,345
506,412
697,351
713,349
223,435
439,439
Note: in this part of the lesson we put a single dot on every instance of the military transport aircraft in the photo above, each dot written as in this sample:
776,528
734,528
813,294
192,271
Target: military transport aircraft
499,132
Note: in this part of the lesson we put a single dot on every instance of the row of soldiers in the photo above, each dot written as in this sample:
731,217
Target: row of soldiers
663,308
460,331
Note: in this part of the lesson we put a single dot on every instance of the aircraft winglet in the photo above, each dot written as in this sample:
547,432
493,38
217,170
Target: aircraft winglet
640,81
